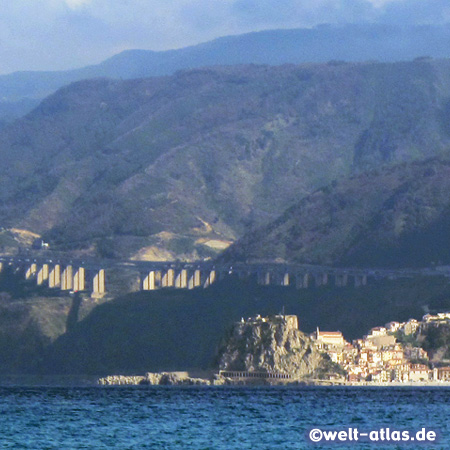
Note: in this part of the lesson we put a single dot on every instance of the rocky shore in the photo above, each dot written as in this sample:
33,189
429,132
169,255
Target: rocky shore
160,378
180,379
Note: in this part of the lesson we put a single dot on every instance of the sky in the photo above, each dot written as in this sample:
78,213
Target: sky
64,34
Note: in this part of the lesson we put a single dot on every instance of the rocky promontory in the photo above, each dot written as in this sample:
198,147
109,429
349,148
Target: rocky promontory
259,350
272,348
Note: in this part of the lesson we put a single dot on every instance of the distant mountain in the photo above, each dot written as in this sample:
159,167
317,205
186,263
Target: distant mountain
180,166
321,44
398,217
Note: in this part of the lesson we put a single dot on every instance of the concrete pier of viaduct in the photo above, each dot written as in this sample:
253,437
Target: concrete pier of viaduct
65,276
90,275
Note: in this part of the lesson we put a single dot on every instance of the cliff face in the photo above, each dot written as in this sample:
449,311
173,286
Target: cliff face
272,344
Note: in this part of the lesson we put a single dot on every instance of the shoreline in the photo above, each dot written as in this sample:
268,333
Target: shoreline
184,378
82,383
194,378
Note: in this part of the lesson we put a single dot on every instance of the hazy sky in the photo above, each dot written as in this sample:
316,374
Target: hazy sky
61,34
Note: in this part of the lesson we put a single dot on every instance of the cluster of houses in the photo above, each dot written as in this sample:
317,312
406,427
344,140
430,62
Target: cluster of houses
380,358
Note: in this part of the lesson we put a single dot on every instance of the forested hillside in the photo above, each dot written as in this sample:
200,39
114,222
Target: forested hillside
396,217
183,165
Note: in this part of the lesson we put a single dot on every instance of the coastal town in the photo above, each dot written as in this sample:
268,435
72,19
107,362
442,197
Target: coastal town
387,354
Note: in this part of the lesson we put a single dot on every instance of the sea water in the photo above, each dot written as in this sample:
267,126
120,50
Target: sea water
219,418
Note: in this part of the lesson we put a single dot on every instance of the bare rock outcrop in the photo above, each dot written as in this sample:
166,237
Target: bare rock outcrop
121,380
272,345
150,378
172,378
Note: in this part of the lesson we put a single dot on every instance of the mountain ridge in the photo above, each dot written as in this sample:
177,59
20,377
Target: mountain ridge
20,91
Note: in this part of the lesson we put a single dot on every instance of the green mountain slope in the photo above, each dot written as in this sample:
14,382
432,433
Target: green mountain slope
394,217
116,166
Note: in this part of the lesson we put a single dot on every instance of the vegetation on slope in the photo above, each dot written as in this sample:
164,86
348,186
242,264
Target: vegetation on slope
117,166
397,217
436,341
31,319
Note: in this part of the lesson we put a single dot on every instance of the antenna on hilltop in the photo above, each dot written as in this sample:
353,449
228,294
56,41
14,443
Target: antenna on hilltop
282,311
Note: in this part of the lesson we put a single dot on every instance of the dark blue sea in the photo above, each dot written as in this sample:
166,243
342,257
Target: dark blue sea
219,418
